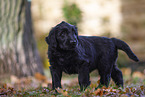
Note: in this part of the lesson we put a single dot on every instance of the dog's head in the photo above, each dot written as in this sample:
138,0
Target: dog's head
63,36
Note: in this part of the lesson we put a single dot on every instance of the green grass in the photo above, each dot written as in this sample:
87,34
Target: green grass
132,87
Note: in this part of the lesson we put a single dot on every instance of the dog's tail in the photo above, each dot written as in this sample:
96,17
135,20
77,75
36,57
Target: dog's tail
123,46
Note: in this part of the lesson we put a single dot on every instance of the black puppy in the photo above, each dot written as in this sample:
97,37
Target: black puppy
80,55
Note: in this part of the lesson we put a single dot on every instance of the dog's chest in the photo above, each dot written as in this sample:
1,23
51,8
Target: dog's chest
68,63
66,60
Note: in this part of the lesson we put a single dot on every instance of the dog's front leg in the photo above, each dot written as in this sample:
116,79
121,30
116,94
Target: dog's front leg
56,74
83,77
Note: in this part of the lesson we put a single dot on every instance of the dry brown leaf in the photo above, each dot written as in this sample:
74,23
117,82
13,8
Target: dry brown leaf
101,93
59,90
65,93
131,88
111,90
53,96
142,87
40,77
93,85
127,90
97,92
103,87
5,86
123,95
98,82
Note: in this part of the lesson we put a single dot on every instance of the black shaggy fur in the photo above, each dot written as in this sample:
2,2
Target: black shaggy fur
80,55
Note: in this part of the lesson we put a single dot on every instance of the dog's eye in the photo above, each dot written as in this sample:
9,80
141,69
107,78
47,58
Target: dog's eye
62,35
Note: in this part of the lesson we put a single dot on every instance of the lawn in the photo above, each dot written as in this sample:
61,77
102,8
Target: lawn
40,86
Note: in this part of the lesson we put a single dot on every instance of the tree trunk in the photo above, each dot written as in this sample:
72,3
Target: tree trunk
18,51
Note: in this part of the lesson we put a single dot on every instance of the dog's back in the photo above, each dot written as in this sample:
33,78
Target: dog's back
102,44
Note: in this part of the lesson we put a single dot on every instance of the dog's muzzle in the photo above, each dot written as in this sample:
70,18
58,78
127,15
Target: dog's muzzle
73,42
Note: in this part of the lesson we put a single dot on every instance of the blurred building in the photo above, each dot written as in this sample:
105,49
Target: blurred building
113,18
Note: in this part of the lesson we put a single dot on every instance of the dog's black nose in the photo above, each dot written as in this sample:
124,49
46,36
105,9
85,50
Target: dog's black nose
73,42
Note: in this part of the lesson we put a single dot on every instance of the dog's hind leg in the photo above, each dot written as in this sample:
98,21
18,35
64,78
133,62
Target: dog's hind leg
117,76
105,75
104,80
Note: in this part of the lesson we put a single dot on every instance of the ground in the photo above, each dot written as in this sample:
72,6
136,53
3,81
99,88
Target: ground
37,86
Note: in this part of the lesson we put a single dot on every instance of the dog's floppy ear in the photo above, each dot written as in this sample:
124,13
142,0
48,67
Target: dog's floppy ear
51,38
47,40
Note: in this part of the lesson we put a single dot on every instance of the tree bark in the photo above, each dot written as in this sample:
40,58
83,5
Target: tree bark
18,51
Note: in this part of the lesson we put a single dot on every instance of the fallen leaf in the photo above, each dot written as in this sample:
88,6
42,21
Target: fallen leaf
97,92
65,93
123,95
40,77
53,96
103,87
98,82
142,87
101,93
5,86
127,90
